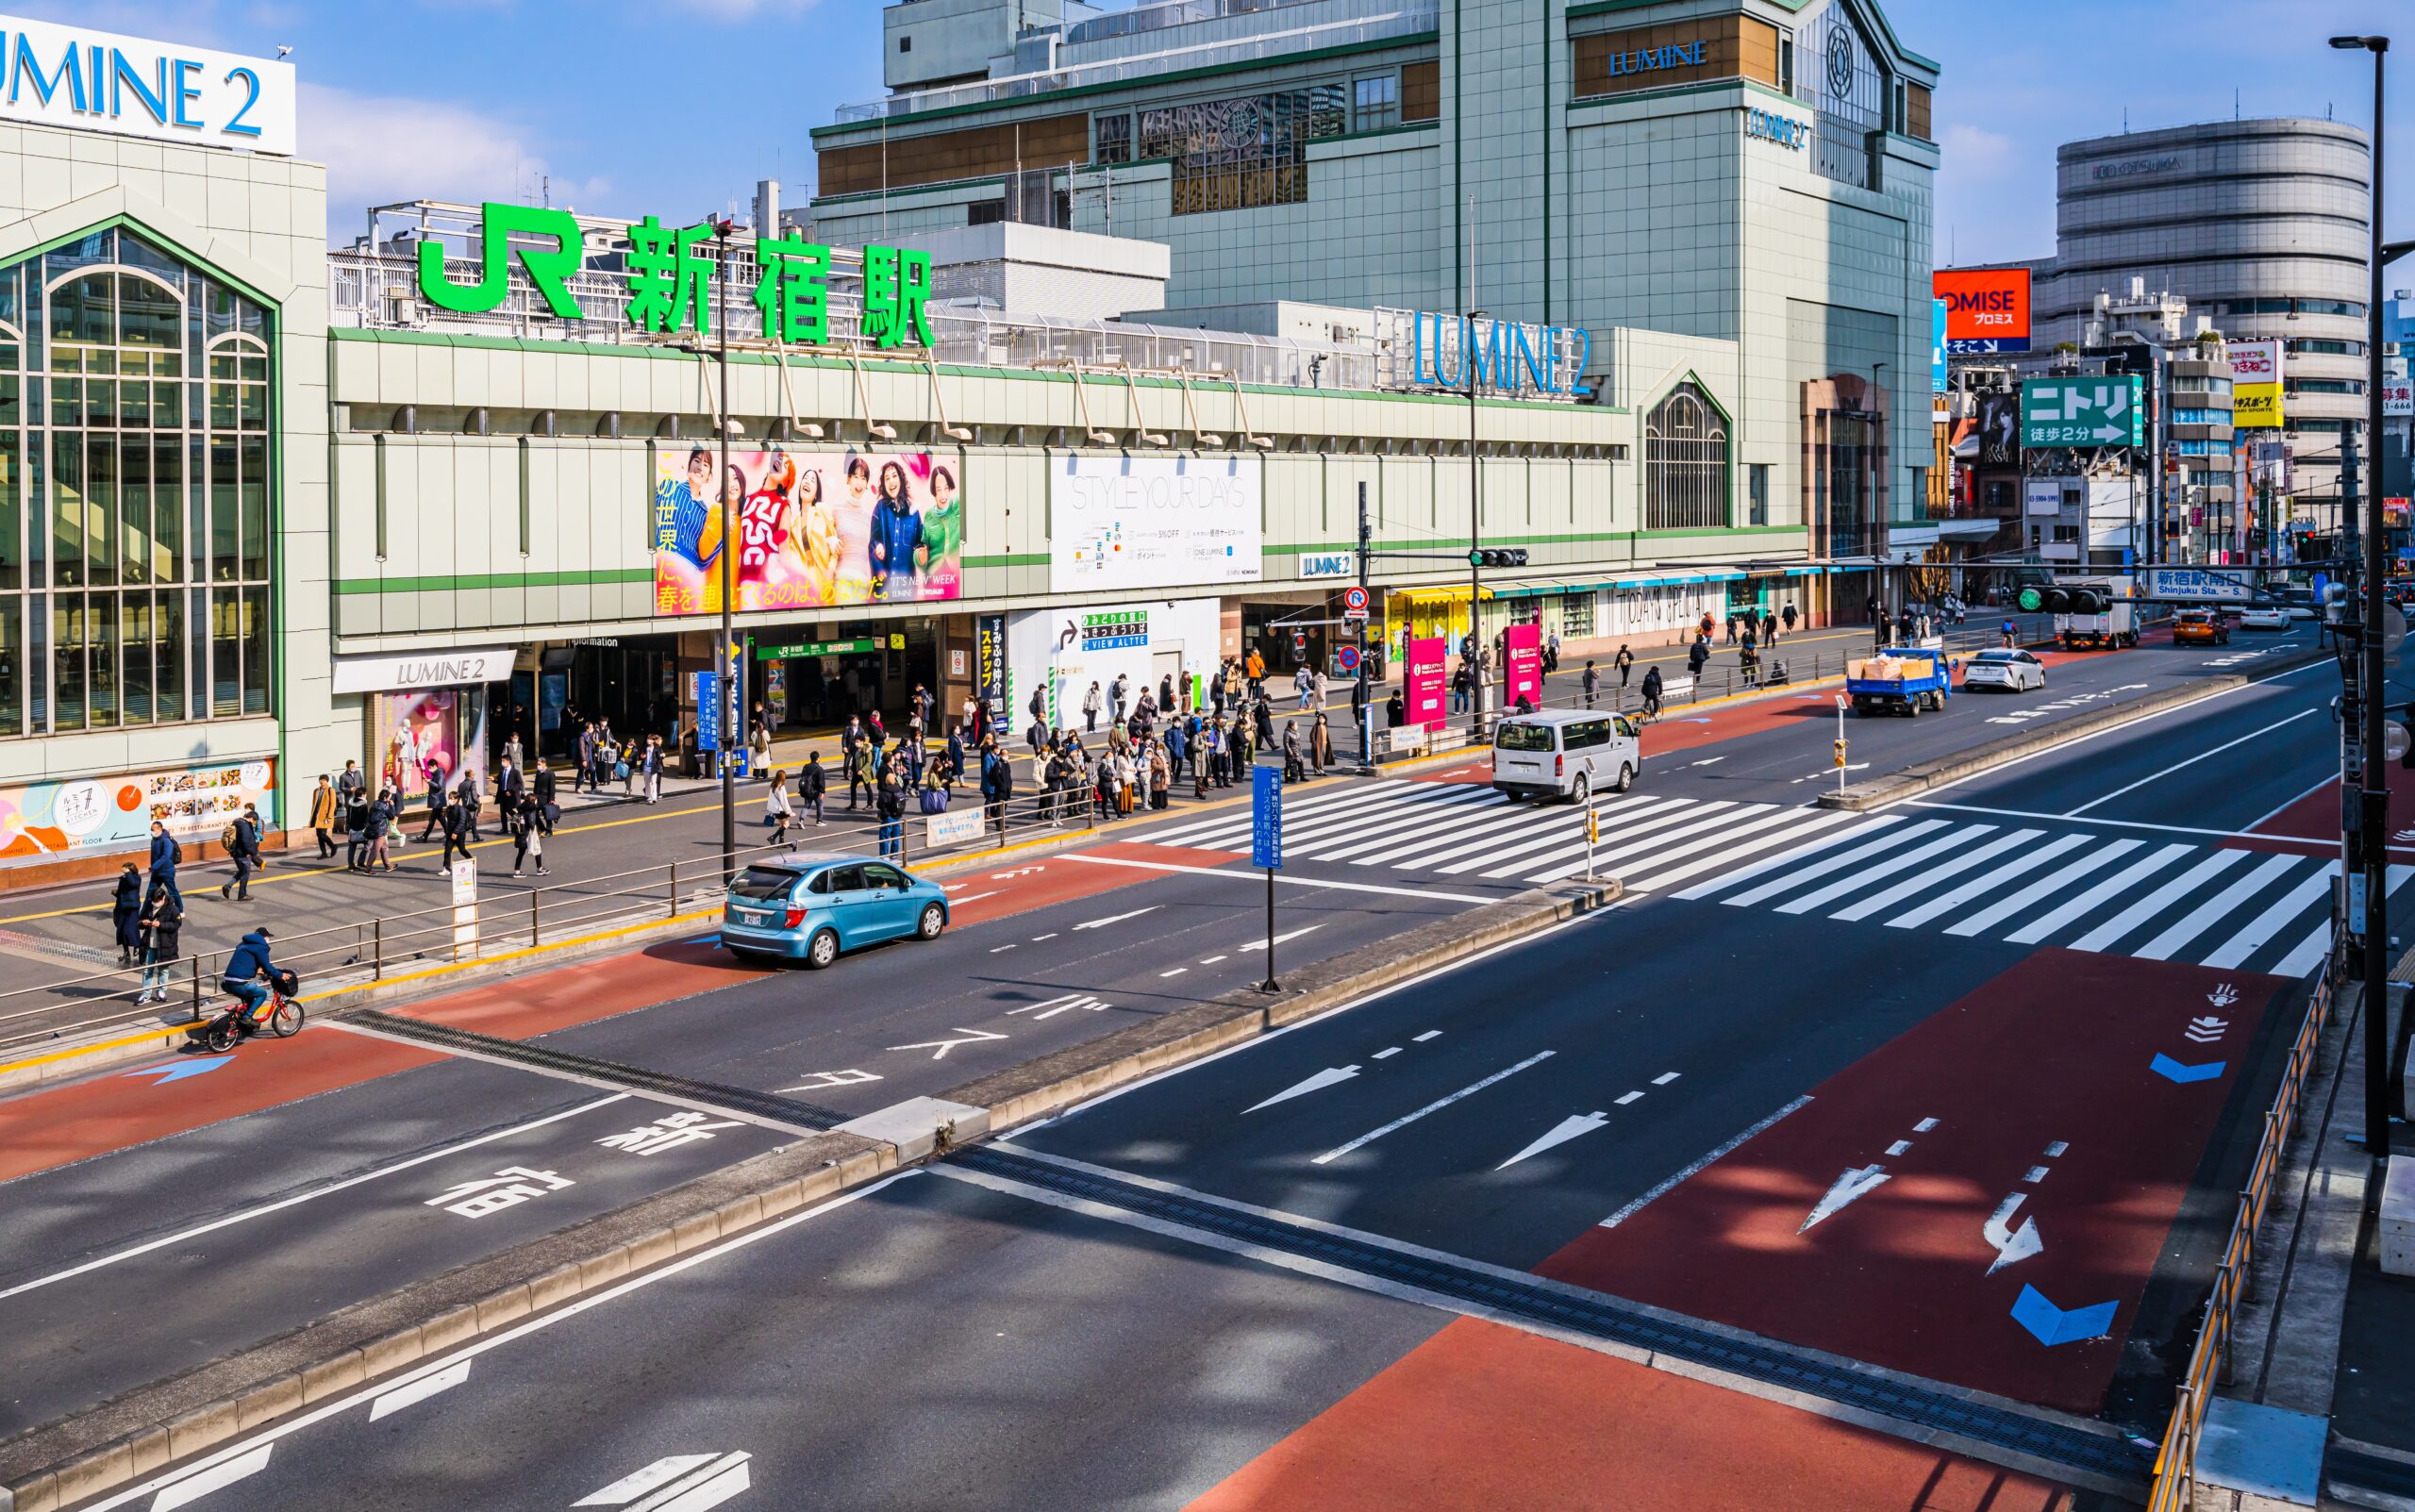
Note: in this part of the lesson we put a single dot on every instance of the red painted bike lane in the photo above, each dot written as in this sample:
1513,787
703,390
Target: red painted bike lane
1981,1201
1485,1416
118,1109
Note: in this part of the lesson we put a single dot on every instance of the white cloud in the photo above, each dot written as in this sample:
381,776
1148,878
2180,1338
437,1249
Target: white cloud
381,149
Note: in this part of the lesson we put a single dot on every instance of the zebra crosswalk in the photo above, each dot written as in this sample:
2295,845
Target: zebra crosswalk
2044,883
1466,830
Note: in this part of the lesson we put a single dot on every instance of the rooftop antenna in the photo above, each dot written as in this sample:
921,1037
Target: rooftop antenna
549,191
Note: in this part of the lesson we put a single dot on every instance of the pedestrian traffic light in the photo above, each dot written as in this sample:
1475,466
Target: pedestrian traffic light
1491,558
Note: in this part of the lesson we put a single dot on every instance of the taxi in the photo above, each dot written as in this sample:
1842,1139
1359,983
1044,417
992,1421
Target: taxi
2200,627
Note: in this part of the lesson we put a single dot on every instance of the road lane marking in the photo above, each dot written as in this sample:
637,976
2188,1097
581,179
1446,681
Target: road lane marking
1666,1077
1037,939
1176,971
2190,761
1252,877
1115,918
1209,961
1430,1034
1385,1054
1988,882
1330,1076
2053,885
976,897
216,1478
1261,944
299,1197
1673,1182
260,1443
2119,884
1435,1106
419,1391
1627,1098
1574,1126
2145,909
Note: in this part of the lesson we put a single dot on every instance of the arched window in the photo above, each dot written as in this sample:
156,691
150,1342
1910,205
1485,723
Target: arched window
1685,463
135,494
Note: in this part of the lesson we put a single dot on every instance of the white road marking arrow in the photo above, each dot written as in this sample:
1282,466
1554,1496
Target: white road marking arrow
2010,1244
1117,918
1565,1130
1857,1182
2206,1028
686,1488
940,1048
1259,944
1330,1076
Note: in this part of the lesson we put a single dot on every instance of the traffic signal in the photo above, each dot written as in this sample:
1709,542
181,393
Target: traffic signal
1490,557
2056,598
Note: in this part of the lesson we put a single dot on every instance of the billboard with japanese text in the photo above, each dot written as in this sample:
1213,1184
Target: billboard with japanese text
1987,310
814,529
2256,385
84,815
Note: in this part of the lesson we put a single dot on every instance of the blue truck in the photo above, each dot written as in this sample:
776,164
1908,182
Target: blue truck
1902,682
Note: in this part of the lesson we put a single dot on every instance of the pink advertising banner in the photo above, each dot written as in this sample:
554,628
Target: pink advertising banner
1425,682
1523,648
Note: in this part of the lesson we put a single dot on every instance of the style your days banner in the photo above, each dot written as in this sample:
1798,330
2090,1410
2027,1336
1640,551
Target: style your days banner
1145,523
815,529
110,813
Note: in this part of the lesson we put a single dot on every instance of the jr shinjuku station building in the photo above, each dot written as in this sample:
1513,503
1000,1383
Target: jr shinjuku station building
1098,334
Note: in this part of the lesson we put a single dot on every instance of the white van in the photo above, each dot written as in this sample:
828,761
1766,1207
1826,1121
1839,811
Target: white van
1565,753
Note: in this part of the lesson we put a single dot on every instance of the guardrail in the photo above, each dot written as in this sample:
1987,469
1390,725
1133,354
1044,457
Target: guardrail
2176,1465
494,924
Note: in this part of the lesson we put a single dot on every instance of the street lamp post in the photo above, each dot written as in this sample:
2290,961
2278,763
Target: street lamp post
2370,834
1475,523
724,680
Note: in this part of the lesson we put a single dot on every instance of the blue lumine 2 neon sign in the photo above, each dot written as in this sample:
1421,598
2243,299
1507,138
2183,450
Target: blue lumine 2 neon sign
1510,356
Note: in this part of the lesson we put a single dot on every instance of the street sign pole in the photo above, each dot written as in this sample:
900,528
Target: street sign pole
1592,834
1266,848
1841,702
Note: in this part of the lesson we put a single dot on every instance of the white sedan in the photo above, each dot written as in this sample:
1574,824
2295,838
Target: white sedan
2005,672
2270,618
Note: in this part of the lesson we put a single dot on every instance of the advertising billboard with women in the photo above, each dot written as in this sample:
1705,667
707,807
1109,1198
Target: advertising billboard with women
814,529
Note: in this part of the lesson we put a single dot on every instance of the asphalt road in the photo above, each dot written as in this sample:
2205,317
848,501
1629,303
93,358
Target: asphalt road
1635,1102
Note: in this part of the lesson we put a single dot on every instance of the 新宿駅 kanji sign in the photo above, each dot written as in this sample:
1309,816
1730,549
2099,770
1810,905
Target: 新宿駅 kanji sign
668,269
2090,411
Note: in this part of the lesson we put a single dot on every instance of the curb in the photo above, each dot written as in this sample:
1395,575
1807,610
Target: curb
1921,776
144,1430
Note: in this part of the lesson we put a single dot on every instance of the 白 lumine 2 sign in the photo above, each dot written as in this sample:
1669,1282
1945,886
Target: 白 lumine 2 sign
64,75
1510,356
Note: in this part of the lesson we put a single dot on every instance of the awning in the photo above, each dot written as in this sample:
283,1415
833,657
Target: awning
1454,595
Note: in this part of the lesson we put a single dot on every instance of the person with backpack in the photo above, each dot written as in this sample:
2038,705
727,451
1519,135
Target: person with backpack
160,928
812,783
1697,656
241,839
545,794
1651,693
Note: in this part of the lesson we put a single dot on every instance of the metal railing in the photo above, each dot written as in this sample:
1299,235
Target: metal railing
1712,685
2176,1465
342,956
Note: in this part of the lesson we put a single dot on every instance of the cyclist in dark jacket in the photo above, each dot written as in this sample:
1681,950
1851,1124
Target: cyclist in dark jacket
246,972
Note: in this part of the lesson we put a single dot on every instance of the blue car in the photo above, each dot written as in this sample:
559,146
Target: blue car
811,907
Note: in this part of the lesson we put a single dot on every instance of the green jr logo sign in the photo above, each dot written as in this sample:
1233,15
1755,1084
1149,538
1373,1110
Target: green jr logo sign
667,273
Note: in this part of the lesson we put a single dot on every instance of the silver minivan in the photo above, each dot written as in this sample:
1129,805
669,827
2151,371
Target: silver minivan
1565,753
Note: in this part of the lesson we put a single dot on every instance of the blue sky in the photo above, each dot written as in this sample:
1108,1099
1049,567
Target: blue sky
675,107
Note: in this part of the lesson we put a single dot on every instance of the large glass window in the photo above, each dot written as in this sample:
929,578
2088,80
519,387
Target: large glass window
1233,155
1375,102
138,482
1685,463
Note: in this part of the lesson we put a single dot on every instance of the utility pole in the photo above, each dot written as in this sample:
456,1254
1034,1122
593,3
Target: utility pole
1361,698
2370,885
725,682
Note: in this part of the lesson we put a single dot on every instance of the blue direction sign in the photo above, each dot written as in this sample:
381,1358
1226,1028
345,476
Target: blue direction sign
1266,818
706,688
